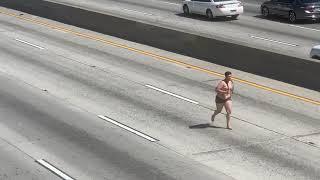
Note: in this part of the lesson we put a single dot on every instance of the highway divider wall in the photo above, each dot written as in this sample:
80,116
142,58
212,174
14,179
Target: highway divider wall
284,68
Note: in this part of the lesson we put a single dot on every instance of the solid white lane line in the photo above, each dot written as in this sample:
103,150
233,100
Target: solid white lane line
271,40
301,27
128,128
130,10
25,42
54,169
171,94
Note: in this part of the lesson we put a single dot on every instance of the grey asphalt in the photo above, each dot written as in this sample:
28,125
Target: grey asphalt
35,125
274,136
15,164
274,34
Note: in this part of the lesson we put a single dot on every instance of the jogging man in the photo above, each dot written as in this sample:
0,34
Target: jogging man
223,98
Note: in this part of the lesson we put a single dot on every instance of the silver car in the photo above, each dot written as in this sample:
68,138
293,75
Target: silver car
315,52
213,8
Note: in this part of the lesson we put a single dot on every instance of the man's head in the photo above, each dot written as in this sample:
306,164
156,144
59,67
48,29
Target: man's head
228,75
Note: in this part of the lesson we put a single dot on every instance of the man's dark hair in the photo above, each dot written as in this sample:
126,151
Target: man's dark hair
227,73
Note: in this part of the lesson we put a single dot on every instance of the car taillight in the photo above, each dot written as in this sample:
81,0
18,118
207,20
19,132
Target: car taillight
309,9
220,6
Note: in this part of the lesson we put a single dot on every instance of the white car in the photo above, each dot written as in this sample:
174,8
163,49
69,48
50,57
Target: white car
213,8
315,52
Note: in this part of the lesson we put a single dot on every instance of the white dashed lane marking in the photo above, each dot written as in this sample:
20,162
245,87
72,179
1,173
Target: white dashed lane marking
318,30
144,13
171,94
176,4
33,45
128,128
275,41
54,169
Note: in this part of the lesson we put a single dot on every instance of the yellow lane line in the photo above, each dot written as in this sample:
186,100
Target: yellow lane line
100,39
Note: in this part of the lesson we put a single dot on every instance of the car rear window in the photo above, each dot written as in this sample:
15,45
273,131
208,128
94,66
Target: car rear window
310,1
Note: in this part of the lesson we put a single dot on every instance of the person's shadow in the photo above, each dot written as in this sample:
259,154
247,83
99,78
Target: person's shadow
202,126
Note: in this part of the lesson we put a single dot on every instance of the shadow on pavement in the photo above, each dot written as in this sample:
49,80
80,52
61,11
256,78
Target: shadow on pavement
202,126
285,20
204,18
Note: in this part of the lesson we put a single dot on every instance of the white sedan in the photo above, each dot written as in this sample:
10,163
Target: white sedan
213,8
315,52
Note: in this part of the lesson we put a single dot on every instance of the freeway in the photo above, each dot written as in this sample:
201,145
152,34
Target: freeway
38,129
251,29
43,135
64,90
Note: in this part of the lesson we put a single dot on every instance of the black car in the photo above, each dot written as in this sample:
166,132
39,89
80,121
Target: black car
292,9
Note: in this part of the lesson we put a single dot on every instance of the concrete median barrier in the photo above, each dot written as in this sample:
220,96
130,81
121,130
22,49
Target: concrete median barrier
284,68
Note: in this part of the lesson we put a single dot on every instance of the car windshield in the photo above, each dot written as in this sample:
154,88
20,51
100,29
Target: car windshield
310,1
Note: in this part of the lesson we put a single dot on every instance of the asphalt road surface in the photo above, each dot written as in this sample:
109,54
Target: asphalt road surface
38,129
57,79
273,34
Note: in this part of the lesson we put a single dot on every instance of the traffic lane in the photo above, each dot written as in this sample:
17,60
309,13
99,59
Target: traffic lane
137,63
124,98
260,160
254,11
300,52
222,140
81,144
227,30
100,91
123,47
17,165
152,5
116,60
280,43
177,80
197,132
288,35
251,8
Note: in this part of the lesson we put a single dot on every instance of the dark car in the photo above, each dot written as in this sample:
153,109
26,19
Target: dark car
292,9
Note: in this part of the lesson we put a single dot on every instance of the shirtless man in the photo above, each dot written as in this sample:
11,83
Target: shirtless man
223,99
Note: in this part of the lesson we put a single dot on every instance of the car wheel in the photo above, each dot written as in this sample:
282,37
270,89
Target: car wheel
292,17
235,16
265,11
315,57
186,10
209,14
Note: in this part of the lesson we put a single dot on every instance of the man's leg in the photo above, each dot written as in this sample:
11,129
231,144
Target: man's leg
217,111
228,106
